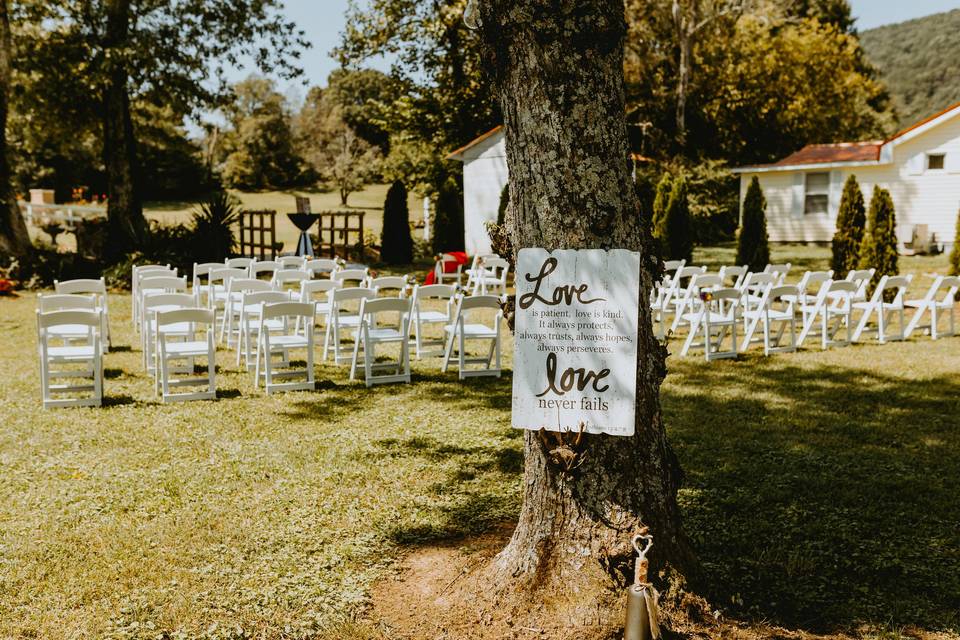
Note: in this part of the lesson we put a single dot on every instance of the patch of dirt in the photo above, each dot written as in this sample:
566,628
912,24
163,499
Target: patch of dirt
438,595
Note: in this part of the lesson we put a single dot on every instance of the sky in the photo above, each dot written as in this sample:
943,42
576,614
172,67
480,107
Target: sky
323,21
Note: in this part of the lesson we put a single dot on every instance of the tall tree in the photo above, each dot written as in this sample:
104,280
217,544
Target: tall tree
14,239
676,229
396,244
850,224
127,226
753,244
690,18
260,143
879,248
112,53
552,61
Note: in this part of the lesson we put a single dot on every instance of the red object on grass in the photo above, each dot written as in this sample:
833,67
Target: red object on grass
6,287
448,267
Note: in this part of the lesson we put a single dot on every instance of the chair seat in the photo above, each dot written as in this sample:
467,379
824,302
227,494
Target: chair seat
473,330
195,348
81,352
348,321
434,316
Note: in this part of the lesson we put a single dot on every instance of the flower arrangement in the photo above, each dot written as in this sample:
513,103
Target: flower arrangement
706,296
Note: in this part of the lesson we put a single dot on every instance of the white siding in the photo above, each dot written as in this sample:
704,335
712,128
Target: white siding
484,176
920,196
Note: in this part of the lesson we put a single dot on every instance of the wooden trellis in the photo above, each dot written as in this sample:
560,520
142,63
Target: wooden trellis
340,235
258,234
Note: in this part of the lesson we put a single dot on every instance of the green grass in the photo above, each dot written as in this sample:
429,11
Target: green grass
821,490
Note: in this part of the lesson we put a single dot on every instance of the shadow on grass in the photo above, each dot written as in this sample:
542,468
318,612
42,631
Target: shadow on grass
821,498
120,401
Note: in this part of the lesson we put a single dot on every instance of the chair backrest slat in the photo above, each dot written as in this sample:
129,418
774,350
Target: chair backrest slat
64,301
48,319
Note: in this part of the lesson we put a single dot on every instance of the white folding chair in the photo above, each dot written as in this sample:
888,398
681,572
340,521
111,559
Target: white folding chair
321,267
894,287
779,270
466,326
671,266
779,309
239,263
390,286
808,289
753,297
292,262
716,318
97,288
342,318
735,274
317,292
236,289
688,302
834,311
140,272
431,294
376,329
485,284
666,296
347,278
479,269
271,340
218,286
862,278
89,356
185,334
440,273
290,279
158,303
262,268
69,334
249,323
201,280
151,284
940,299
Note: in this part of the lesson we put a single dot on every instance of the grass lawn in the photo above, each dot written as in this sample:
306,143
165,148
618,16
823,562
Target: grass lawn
821,489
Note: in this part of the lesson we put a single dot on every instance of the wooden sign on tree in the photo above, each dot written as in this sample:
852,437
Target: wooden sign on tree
575,353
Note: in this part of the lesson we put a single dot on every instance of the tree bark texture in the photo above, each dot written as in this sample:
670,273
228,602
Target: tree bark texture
557,66
14,238
128,228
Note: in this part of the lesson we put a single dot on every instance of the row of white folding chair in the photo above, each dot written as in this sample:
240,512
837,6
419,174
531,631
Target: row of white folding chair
95,287
277,334
939,300
57,333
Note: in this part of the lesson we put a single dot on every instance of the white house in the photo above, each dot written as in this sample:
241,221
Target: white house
920,166
484,176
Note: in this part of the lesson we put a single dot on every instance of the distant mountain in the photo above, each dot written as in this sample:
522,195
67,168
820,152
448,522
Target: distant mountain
918,61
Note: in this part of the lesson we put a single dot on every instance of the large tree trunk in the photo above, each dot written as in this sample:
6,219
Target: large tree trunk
14,239
128,227
558,70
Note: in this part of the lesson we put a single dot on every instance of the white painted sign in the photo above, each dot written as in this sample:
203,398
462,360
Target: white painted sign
575,354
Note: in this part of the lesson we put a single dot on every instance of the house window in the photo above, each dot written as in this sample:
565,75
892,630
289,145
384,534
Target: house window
817,194
936,161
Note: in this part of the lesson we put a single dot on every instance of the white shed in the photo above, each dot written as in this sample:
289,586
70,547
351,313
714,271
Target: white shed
484,176
920,166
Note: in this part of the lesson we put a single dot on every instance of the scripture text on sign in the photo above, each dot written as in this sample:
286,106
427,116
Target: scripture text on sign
575,356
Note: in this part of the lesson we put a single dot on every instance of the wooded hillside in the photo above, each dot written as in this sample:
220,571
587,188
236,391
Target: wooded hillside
917,61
